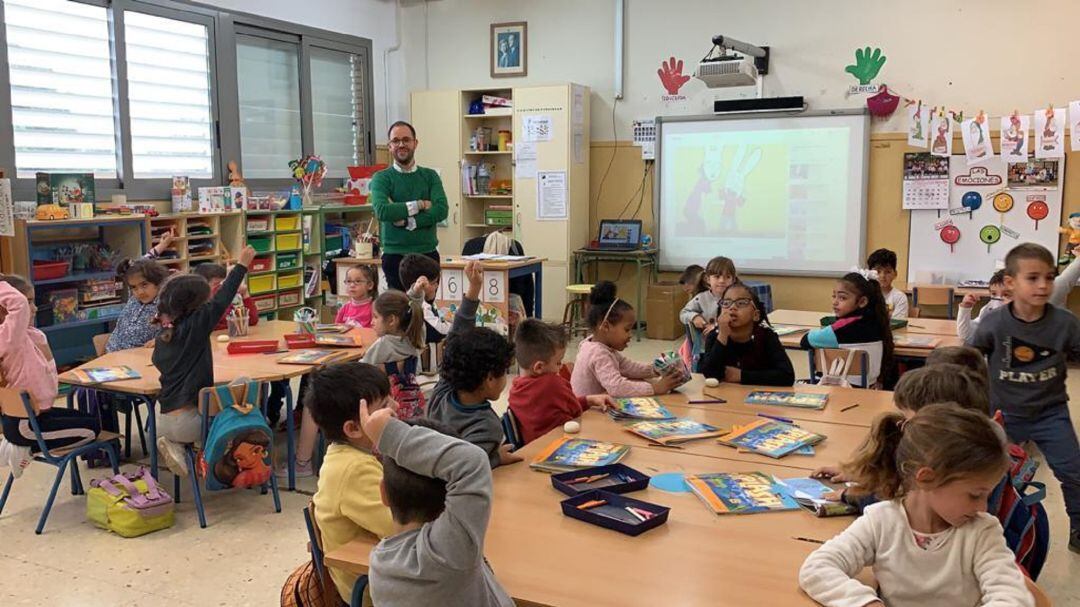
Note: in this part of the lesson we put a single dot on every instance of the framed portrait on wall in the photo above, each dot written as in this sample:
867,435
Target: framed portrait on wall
509,53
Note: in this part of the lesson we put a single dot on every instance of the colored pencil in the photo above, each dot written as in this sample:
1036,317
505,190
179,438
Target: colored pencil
849,407
706,401
777,418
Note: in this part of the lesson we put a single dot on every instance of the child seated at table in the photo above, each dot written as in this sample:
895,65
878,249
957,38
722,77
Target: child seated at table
883,261
412,267
26,363
135,325
362,287
600,367
744,349
348,502
999,296
473,373
701,311
932,539
215,273
862,323
182,354
439,491
541,398
965,356
690,279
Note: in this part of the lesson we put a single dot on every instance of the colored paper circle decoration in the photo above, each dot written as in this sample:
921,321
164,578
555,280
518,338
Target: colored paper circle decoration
1038,210
971,201
950,235
990,234
1003,202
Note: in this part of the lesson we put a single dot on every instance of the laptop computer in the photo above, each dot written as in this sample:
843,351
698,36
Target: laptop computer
618,235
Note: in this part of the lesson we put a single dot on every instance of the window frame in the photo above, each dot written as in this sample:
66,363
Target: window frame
223,28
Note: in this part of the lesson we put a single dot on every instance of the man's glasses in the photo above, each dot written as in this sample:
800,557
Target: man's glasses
742,303
402,141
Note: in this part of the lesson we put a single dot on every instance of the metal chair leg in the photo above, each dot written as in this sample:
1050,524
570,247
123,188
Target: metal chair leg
274,491
76,478
176,488
114,456
127,432
52,495
7,489
139,424
195,487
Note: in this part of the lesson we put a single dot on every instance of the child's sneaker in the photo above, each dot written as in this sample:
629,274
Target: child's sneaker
174,456
303,470
15,457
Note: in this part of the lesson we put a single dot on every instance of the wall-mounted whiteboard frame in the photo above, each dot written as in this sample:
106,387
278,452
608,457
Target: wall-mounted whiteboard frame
857,197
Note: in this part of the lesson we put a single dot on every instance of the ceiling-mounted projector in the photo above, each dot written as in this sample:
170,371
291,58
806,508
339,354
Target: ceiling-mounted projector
721,68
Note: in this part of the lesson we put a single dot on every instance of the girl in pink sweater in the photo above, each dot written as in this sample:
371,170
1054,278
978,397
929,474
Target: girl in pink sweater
362,286
600,368
26,363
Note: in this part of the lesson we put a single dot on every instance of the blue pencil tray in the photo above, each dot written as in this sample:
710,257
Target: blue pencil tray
612,515
636,481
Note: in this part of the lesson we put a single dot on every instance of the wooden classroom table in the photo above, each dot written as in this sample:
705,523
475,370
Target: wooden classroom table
545,558
227,368
958,292
943,331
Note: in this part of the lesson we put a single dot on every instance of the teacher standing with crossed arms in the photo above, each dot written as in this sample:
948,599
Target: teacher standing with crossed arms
409,202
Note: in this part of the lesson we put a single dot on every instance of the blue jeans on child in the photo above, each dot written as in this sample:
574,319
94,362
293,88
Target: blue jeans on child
1051,429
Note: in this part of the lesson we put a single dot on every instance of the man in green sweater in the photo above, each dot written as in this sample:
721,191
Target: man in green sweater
409,202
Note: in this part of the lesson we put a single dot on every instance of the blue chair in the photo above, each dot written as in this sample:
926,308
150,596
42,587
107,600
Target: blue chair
316,545
512,430
697,345
17,403
209,408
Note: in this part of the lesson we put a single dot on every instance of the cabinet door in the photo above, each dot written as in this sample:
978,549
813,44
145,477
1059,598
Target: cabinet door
436,116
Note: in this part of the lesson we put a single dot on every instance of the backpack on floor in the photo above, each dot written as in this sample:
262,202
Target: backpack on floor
130,504
404,388
1017,504
239,447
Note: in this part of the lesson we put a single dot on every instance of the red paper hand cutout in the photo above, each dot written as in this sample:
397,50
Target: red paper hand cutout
671,76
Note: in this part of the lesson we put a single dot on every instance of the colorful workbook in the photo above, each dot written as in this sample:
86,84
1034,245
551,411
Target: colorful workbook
810,494
331,328
311,357
673,431
770,437
639,408
340,341
916,341
740,492
801,400
568,453
98,375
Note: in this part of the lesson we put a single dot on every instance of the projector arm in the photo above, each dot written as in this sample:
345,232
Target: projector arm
737,45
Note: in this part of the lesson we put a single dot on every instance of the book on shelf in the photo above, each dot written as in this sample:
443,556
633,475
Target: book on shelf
98,375
673,431
770,437
311,357
786,398
810,494
567,453
740,492
642,407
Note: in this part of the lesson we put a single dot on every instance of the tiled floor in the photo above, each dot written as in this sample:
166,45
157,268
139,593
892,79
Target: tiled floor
247,551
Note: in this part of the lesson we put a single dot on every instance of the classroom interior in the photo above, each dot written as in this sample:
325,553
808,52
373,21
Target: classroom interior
597,74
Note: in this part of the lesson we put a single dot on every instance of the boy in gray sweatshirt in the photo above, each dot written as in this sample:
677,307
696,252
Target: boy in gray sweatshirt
472,374
438,489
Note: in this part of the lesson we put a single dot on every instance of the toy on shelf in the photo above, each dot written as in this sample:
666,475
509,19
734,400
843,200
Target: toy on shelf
358,186
49,212
65,188
236,180
1072,232
309,171
181,194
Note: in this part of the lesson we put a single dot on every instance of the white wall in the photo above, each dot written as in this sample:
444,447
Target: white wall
994,55
372,19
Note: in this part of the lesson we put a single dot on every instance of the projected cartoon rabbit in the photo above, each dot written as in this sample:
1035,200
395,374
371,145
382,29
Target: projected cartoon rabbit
709,189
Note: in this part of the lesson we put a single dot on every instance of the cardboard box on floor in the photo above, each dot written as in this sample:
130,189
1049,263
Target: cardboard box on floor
662,306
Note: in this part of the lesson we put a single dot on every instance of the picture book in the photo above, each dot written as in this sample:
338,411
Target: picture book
569,453
673,431
770,437
801,400
97,375
311,357
639,408
810,494
740,492
916,341
340,341
331,328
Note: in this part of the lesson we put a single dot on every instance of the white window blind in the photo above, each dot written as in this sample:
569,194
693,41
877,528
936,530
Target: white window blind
62,107
268,79
337,110
168,73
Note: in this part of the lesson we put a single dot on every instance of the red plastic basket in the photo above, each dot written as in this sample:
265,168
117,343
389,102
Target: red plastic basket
256,346
261,264
48,270
297,341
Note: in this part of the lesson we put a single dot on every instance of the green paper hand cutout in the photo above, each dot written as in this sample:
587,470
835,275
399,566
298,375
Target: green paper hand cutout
867,65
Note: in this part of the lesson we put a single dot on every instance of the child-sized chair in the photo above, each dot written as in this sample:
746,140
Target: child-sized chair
210,406
17,403
851,362
317,554
695,345
934,296
512,430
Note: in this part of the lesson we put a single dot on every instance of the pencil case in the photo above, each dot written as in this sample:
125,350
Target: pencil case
620,479
296,341
255,346
613,514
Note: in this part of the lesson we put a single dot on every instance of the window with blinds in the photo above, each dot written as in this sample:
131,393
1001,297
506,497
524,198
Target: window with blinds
337,110
268,83
168,74
62,106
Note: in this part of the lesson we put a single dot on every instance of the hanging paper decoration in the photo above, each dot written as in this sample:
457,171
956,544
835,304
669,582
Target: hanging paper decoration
1074,125
918,121
883,104
972,201
867,65
1003,203
941,131
950,235
989,234
1038,210
1049,133
975,133
1014,138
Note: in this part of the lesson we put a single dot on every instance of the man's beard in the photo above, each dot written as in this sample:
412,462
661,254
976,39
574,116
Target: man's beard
404,161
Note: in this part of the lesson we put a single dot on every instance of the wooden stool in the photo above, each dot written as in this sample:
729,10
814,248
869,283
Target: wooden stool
577,307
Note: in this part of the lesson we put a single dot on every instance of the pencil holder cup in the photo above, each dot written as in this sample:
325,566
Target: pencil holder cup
238,326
